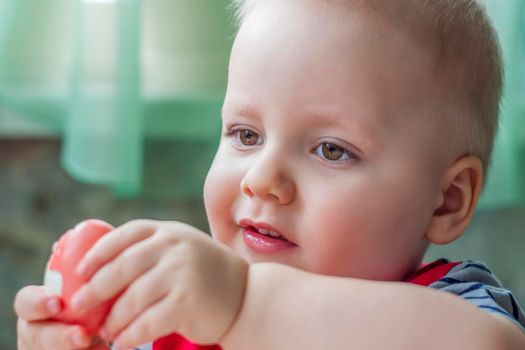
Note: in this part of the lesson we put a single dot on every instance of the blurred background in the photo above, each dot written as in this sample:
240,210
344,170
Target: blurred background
111,109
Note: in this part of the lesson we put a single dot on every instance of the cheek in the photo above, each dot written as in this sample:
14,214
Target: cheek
340,227
221,189
357,233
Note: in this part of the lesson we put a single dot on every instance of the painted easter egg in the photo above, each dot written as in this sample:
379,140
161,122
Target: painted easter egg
62,279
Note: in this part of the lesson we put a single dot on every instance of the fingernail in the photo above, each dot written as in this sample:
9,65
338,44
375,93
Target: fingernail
81,268
79,339
53,305
104,334
77,303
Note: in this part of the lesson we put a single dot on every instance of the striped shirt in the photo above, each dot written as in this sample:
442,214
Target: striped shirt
475,283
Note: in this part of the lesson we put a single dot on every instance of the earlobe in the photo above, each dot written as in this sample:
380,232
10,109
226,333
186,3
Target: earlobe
461,187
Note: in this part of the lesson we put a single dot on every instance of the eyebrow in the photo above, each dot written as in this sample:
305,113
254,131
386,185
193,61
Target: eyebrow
247,111
367,136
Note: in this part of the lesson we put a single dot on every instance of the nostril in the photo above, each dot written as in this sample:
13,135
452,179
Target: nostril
268,186
272,196
245,189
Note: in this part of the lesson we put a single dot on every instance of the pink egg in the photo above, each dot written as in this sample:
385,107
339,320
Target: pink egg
62,279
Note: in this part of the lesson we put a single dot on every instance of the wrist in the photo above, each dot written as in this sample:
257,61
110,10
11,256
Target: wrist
240,271
262,282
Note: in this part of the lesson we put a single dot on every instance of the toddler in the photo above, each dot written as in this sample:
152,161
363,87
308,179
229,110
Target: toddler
355,134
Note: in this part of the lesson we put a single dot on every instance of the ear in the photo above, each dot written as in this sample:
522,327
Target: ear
461,187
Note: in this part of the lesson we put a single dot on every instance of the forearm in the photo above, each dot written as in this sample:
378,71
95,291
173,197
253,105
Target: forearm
285,308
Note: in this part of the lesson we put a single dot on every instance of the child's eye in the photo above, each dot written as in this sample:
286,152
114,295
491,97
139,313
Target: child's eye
244,137
333,153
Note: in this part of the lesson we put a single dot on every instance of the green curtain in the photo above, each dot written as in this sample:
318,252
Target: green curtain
107,76
103,130
34,51
134,89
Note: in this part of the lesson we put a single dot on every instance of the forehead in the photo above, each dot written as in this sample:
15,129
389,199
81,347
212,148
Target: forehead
307,54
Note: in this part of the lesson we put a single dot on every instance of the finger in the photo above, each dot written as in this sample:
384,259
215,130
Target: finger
147,290
154,322
116,275
52,335
99,344
113,243
34,303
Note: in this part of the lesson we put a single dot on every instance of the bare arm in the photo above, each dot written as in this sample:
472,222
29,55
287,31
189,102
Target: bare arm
286,308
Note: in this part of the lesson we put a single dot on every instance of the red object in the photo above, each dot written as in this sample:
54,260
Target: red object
62,278
431,272
177,342
424,277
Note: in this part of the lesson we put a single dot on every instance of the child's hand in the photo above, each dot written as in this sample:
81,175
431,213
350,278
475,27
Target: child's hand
173,278
34,306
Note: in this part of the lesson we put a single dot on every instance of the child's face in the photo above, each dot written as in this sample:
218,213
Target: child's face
327,143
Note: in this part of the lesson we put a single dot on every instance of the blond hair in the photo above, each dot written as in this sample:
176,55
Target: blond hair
467,53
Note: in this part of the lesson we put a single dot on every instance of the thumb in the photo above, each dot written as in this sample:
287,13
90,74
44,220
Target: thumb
33,303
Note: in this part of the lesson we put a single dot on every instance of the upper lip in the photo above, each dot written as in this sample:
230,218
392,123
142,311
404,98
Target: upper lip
244,223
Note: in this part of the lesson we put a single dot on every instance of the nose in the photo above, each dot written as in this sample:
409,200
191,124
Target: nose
268,179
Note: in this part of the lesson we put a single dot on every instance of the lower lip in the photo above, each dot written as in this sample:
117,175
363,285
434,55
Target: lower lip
265,244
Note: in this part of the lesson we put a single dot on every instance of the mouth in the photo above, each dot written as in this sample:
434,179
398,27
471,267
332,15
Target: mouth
263,229
264,238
